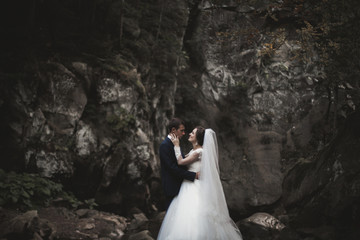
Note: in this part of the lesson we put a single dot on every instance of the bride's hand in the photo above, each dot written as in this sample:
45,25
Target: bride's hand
175,140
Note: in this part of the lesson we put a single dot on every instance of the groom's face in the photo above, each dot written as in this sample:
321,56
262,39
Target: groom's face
180,131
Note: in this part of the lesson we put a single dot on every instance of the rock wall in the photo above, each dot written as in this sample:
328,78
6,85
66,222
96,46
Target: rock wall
86,97
93,96
261,105
322,193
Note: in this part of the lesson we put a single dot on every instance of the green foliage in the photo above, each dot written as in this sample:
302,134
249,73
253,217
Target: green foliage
30,191
26,190
90,203
121,122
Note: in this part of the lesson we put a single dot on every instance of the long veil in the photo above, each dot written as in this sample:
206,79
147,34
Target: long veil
212,199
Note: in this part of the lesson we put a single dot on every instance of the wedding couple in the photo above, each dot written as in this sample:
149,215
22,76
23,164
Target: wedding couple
196,206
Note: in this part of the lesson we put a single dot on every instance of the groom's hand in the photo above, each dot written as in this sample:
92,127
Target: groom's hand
197,175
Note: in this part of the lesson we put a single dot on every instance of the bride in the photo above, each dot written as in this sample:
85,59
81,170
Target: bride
199,211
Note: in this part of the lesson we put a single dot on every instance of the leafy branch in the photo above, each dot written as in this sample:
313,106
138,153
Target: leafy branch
30,191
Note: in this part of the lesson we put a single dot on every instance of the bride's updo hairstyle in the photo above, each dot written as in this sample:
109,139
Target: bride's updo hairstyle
200,133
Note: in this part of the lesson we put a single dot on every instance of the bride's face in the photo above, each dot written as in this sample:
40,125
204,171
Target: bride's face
192,136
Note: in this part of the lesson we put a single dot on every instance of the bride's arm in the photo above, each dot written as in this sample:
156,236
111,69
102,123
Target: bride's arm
189,157
185,161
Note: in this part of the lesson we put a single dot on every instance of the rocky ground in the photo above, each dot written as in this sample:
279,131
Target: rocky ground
59,223
62,223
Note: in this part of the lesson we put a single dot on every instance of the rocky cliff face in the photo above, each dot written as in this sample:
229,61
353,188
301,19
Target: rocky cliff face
323,191
89,103
260,105
93,118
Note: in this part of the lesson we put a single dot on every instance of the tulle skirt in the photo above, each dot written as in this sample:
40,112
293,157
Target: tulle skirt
190,218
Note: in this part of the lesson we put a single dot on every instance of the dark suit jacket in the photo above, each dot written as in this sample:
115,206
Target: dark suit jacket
172,174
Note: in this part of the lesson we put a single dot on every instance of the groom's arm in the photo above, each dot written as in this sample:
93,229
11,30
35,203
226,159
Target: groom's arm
166,156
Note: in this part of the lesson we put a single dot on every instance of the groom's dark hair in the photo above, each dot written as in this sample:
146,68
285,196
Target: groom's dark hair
175,122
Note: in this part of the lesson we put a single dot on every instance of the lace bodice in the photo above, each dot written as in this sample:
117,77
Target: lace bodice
195,166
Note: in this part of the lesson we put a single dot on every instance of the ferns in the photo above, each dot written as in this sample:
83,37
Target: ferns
30,191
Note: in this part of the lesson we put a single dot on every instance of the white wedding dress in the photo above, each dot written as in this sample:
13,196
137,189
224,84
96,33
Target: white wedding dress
194,214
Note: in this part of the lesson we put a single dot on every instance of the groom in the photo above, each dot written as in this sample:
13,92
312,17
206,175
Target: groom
172,174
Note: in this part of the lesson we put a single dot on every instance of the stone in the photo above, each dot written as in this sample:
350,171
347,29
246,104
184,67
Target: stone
64,99
140,221
50,164
86,213
143,235
251,100
26,225
266,220
36,236
114,90
19,224
86,141
86,224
